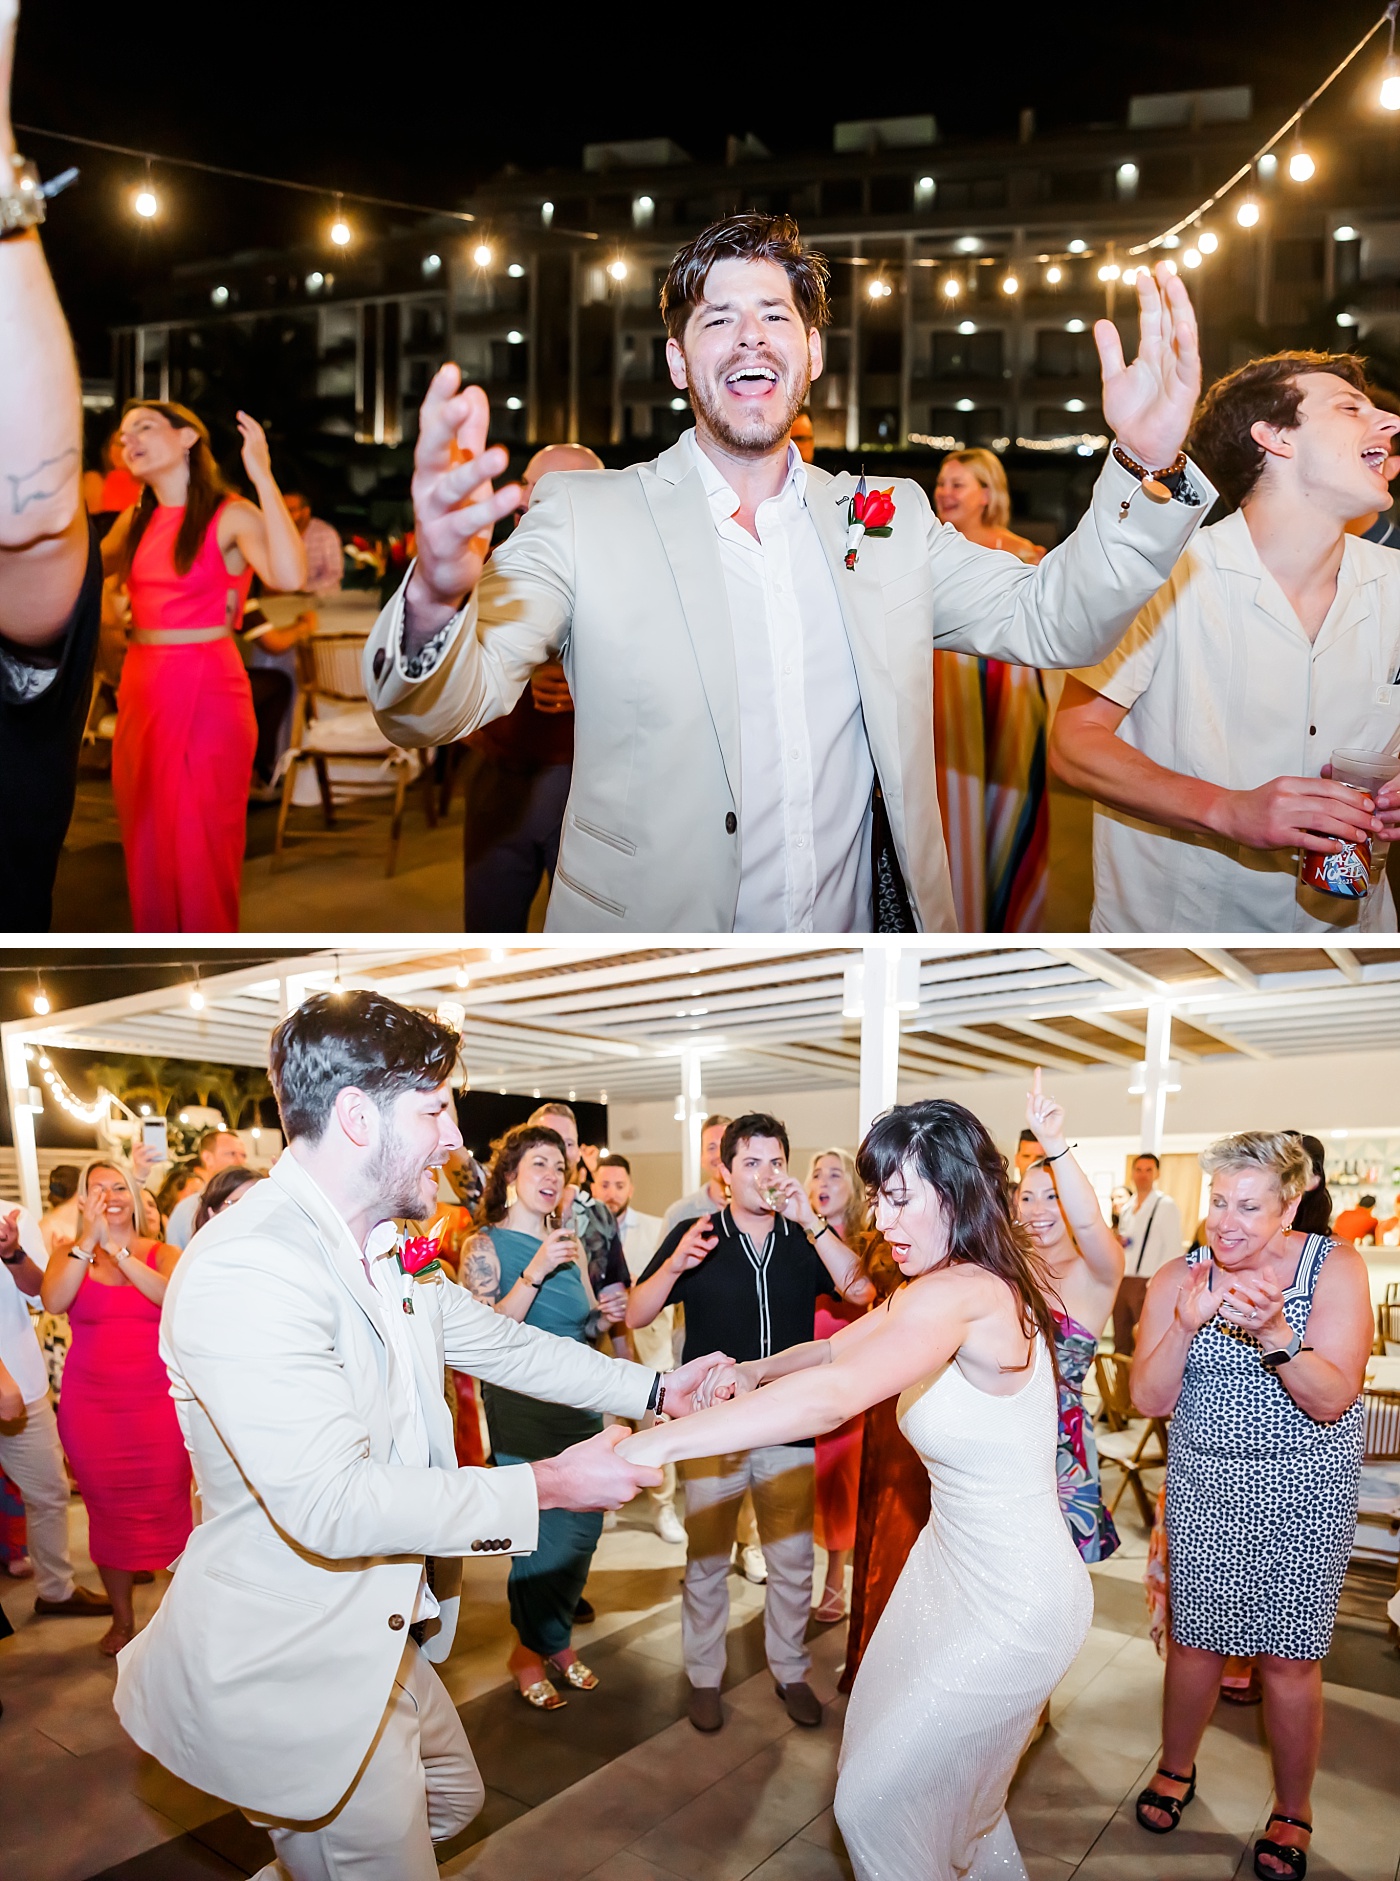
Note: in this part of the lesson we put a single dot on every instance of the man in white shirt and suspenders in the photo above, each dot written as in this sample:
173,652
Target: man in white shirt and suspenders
1151,1233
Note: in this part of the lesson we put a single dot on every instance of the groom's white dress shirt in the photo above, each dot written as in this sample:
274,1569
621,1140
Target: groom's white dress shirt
804,819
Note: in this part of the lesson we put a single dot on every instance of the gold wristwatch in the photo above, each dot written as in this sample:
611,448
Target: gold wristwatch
22,201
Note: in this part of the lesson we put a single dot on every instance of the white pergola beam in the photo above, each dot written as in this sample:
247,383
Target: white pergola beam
1226,964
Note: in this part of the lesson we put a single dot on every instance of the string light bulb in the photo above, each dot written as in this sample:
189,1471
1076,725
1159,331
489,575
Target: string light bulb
952,287
1207,241
618,269
1301,166
879,289
1390,81
1110,271
146,203
1248,213
1054,276
40,1001
481,254
1191,258
340,228
463,977
1010,284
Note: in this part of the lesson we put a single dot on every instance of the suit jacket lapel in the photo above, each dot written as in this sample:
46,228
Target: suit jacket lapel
863,611
349,1267
681,512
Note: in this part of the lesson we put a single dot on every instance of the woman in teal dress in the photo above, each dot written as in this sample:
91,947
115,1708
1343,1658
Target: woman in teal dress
1081,1261
522,1265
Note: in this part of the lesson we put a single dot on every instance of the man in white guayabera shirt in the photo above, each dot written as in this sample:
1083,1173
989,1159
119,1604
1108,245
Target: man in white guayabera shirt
1207,737
749,640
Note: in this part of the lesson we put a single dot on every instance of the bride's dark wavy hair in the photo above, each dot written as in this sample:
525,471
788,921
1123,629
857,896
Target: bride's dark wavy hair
944,1145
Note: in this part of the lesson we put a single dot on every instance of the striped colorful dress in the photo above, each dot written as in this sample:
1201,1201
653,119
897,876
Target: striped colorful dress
989,735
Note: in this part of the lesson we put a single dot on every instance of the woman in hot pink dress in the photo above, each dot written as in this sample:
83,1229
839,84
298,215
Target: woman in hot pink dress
182,758
116,1418
832,1190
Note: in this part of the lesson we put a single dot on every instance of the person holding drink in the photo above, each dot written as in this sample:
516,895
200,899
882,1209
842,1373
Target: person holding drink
528,1267
1252,711
754,1270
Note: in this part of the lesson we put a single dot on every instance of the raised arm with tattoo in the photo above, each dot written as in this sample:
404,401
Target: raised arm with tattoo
43,525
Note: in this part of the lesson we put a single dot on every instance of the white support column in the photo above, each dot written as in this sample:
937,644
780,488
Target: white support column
1157,1081
22,1121
692,1119
879,1033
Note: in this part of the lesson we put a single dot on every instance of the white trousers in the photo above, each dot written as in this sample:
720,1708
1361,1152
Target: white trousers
32,1456
418,1785
781,1480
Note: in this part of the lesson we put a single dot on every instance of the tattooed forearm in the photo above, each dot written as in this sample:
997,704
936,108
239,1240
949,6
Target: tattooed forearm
43,483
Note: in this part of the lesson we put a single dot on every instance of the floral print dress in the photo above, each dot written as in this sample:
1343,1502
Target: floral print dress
1077,1457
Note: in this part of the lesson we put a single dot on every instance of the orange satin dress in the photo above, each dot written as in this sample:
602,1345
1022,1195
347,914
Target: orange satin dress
182,758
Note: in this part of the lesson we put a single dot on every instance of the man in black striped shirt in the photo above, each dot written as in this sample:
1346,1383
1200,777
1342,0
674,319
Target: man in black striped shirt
749,1277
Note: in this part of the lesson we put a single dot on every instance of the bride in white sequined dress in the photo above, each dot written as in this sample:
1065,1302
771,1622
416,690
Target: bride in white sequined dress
994,1601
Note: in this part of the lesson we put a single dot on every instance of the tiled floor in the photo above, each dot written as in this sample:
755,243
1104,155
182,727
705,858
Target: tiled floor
618,1787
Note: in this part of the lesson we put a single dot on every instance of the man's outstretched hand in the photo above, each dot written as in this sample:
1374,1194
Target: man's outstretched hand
591,1475
455,506
1148,405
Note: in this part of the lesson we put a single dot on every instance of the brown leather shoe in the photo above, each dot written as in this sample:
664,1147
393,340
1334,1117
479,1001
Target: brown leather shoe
704,1709
81,1604
803,1705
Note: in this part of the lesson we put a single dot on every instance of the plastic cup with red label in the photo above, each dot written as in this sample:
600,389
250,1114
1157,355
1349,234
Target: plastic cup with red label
1348,872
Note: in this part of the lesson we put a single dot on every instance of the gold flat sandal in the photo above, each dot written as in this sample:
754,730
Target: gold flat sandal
577,1674
542,1696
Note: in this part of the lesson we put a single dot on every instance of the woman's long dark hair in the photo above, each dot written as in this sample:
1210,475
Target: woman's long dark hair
207,488
506,1153
1314,1214
944,1145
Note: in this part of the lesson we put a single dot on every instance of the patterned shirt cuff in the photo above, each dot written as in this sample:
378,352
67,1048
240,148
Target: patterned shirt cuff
24,679
416,666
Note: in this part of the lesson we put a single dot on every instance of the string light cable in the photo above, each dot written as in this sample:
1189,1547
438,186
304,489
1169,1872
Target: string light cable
149,158
66,1097
1387,19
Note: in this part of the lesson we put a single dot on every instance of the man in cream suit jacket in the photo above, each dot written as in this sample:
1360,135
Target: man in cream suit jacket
748,660
282,1670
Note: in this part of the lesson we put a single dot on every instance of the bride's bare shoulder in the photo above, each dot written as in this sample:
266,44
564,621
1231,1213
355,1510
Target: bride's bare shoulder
962,1289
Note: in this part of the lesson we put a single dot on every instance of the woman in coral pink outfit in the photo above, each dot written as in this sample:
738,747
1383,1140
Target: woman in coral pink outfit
116,1418
182,759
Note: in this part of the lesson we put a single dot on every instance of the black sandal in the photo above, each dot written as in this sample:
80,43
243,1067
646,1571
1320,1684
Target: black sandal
1296,1858
1169,1805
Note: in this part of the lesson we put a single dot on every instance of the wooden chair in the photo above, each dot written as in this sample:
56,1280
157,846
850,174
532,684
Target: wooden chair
329,672
1132,1443
1388,1325
1381,1444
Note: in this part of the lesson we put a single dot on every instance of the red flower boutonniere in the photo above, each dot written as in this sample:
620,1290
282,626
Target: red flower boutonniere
871,513
419,1255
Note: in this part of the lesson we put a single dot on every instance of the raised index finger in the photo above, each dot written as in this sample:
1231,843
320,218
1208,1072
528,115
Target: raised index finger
1035,1082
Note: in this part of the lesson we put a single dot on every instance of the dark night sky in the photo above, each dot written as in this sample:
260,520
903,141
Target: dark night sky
423,102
